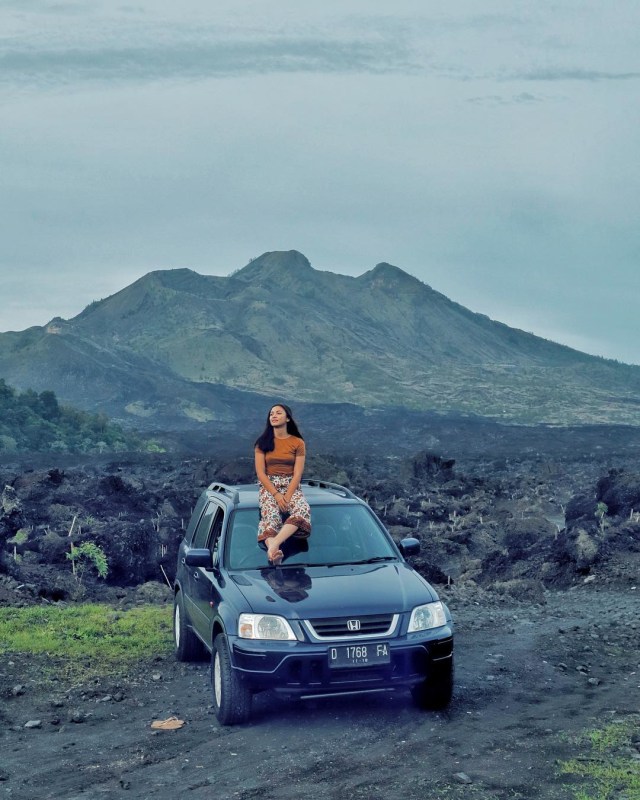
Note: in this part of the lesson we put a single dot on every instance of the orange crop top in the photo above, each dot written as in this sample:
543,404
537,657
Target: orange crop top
281,460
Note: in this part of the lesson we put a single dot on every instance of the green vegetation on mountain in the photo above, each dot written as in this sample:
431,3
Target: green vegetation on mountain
32,421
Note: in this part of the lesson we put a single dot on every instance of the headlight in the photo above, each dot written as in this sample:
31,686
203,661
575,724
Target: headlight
264,626
430,615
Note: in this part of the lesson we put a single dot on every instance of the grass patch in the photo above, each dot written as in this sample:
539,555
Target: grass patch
608,771
88,632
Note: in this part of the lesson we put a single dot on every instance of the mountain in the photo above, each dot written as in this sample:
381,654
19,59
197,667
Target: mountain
178,348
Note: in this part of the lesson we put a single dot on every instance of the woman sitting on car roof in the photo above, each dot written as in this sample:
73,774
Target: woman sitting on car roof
279,456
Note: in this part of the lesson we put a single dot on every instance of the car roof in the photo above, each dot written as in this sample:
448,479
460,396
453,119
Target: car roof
245,495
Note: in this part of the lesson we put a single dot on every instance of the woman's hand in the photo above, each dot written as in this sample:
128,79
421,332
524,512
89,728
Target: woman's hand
283,503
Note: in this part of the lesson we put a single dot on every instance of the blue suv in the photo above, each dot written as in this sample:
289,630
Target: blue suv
344,613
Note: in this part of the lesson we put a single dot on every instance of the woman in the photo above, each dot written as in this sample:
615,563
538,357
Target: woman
279,455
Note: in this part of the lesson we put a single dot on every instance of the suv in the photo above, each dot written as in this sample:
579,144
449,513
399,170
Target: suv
343,613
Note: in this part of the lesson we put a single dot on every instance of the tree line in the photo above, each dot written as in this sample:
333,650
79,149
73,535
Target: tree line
36,422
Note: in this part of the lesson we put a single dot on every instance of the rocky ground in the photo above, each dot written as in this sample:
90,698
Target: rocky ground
541,579
515,526
531,678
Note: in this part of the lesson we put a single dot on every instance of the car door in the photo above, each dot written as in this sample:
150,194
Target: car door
192,575
205,589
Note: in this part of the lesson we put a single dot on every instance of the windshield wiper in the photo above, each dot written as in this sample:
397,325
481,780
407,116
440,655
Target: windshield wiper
374,560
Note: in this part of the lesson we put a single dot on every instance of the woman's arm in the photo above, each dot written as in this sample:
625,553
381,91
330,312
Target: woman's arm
298,468
261,472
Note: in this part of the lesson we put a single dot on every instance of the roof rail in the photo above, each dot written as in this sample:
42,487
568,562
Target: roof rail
224,489
335,487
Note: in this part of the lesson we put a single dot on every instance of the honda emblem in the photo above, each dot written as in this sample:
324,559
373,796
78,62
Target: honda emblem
353,624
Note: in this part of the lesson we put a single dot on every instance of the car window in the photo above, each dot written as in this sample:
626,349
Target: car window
201,535
341,534
216,529
195,517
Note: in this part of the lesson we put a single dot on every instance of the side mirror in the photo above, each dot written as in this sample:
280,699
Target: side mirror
409,546
199,557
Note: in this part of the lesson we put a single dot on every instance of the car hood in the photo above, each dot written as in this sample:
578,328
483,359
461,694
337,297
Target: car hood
308,592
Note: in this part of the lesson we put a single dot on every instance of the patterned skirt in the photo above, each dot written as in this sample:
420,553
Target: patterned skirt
272,519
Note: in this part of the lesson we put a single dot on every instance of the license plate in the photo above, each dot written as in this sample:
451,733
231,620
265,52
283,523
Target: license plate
359,655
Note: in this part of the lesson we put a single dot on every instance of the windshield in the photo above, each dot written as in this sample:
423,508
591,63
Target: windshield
343,534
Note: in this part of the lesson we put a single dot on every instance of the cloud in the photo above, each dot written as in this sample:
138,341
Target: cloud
524,98
156,42
142,51
572,74
200,61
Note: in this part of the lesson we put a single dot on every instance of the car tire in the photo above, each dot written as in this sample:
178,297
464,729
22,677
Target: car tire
231,698
187,646
435,692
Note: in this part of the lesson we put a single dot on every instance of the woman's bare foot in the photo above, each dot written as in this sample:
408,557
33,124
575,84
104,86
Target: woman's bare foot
274,554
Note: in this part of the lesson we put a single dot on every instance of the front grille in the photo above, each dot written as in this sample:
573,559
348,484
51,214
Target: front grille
353,627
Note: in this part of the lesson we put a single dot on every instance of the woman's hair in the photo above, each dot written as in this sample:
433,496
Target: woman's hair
264,442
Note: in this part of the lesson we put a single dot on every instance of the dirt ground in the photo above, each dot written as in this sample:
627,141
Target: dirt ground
529,680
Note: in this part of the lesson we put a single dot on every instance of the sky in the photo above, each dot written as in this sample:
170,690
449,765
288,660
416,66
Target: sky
489,149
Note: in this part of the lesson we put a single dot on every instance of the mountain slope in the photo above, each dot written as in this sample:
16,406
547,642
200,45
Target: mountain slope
170,343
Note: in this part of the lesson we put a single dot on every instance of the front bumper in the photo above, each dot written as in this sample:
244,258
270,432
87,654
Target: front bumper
302,668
